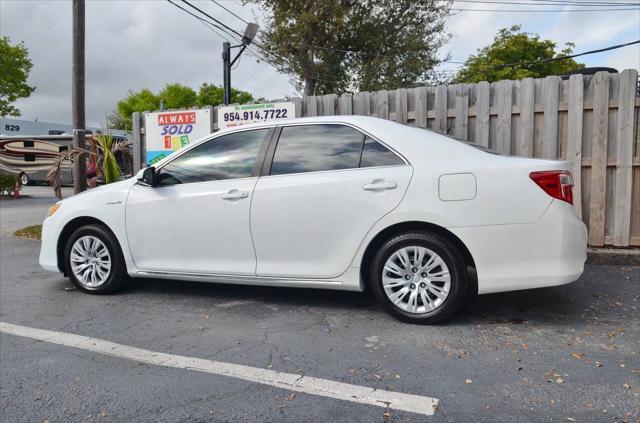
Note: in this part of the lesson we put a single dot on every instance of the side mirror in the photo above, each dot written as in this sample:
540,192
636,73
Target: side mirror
147,176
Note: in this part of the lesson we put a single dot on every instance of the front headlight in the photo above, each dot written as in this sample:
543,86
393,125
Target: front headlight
53,209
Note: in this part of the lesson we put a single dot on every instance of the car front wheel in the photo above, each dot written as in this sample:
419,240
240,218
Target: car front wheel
93,260
419,277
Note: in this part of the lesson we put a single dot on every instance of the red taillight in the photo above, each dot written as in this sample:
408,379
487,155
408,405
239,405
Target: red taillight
556,183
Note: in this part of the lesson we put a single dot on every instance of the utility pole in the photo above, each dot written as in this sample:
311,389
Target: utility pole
77,96
227,63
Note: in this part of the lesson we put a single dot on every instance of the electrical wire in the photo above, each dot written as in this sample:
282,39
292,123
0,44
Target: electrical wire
226,29
243,20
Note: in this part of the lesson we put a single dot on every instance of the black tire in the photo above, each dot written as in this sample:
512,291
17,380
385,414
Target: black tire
117,275
451,257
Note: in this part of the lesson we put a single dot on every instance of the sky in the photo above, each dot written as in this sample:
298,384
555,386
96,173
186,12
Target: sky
138,44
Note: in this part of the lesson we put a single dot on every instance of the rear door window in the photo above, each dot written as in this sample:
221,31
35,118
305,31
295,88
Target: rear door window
315,148
375,154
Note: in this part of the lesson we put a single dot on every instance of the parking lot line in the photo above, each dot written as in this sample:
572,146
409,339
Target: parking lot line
289,381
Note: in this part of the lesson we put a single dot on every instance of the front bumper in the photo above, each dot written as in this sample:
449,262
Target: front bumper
49,248
549,252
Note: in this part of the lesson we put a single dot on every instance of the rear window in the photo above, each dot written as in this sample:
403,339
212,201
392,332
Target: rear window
313,148
376,154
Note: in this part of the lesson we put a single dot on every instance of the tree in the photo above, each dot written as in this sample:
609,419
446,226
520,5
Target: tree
511,45
174,96
141,101
15,66
177,96
213,95
115,121
333,46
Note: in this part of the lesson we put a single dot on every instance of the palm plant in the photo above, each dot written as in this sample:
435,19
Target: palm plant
101,149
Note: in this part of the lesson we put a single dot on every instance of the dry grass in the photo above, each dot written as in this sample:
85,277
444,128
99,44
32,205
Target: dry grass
30,232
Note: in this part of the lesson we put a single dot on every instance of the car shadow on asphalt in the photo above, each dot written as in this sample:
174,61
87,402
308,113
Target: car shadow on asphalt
556,305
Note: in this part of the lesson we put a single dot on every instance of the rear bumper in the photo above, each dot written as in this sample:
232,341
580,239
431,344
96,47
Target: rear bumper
549,252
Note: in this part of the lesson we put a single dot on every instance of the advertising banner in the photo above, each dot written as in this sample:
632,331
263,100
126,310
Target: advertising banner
167,132
234,116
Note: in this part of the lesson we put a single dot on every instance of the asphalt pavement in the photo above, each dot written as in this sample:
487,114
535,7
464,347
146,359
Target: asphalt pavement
560,354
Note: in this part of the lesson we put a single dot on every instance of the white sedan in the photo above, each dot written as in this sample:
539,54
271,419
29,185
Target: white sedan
339,202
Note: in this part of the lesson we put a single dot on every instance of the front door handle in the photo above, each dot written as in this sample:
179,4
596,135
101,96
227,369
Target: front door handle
379,185
234,194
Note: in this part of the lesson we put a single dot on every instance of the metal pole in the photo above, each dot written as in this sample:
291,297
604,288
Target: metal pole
77,96
226,64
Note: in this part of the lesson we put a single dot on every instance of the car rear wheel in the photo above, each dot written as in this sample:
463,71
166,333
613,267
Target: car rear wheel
93,260
419,277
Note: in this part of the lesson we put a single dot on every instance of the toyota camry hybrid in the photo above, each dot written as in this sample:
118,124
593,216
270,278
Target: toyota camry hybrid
337,202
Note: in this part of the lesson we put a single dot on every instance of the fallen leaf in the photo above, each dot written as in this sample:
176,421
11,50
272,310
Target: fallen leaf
626,386
577,356
559,380
468,381
377,377
290,397
598,364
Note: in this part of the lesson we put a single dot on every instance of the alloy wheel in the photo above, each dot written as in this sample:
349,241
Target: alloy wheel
90,261
416,279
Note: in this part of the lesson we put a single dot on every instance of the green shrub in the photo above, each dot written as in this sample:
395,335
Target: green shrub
7,182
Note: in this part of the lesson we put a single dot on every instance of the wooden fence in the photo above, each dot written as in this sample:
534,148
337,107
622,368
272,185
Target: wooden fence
591,121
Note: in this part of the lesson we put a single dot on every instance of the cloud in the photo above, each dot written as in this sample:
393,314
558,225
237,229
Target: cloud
132,45
129,46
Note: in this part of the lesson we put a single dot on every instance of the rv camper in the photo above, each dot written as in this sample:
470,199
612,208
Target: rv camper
31,157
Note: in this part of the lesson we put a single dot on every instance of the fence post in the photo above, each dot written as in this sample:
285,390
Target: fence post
382,101
503,129
462,112
574,137
421,107
361,104
329,104
482,114
441,109
624,155
137,142
524,144
346,104
599,158
550,93
310,106
401,105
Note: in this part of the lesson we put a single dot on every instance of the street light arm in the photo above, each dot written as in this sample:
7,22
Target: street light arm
244,46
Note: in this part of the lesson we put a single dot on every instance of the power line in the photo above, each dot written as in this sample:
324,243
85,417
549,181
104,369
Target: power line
230,31
545,3
213,19
554,59
204,21
214,1
284,59
541,11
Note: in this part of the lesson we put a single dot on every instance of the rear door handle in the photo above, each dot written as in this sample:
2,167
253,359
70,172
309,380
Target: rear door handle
234,194
379,185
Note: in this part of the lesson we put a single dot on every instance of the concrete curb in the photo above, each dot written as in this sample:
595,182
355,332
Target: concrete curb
620,257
